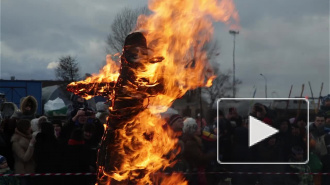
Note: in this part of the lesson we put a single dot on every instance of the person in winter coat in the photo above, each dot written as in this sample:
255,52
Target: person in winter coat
28,108
78,120
304,178
7,129
269,151
76,159
23,150
175,122
284,136
77,102
47,154
326,162
193,151
35,124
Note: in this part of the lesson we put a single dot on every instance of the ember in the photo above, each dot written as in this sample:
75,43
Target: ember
157,66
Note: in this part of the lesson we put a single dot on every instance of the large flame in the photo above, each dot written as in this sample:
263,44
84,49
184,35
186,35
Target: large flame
176,33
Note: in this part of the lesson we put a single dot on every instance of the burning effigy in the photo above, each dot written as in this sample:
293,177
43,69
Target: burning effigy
159,64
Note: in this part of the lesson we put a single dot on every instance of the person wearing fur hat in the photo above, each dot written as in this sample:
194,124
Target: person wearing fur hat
28,108
23,149
4,169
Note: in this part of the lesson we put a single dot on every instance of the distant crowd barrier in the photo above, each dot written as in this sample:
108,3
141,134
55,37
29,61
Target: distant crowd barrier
188,173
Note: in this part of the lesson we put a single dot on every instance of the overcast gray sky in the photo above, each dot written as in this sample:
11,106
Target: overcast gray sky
285,40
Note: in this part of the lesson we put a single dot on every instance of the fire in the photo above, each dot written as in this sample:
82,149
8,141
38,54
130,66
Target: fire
174,62
178,30
105,80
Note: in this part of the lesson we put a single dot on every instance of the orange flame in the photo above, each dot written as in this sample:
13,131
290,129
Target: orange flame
109,73
178,30
176,33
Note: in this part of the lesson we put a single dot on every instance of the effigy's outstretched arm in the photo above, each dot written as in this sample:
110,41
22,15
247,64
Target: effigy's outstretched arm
89,90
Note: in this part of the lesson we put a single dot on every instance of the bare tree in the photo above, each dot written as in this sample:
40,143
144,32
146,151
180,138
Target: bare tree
67,69
123,24
221,86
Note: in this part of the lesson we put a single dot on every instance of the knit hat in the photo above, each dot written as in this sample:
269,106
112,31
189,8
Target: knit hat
2,159
173,118
23,125
34,125
189,126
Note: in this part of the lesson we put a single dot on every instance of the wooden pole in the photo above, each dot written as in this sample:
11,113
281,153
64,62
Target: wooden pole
287,103
301,94
318,103
310,87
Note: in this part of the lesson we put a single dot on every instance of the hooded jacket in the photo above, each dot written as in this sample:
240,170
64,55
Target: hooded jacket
24,114
23,153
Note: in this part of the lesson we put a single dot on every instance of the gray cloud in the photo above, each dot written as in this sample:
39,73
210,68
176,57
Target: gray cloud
287,41
288,47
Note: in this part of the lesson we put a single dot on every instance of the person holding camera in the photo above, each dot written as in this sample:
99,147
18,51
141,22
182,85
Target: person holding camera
77,120
83,115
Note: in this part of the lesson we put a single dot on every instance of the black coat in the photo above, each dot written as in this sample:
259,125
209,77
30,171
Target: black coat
76,158
47,156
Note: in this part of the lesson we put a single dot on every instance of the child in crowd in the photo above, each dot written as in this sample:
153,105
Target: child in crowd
4,169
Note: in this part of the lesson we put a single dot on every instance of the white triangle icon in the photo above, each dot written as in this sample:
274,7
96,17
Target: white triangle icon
259,131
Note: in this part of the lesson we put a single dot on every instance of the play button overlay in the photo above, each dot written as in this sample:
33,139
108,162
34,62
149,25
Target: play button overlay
261,131
258,131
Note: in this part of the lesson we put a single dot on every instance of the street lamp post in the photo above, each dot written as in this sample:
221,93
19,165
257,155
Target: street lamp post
265,84
234,33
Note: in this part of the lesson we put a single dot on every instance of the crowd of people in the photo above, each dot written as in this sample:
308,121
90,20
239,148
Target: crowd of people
289,148
30,144
45,145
